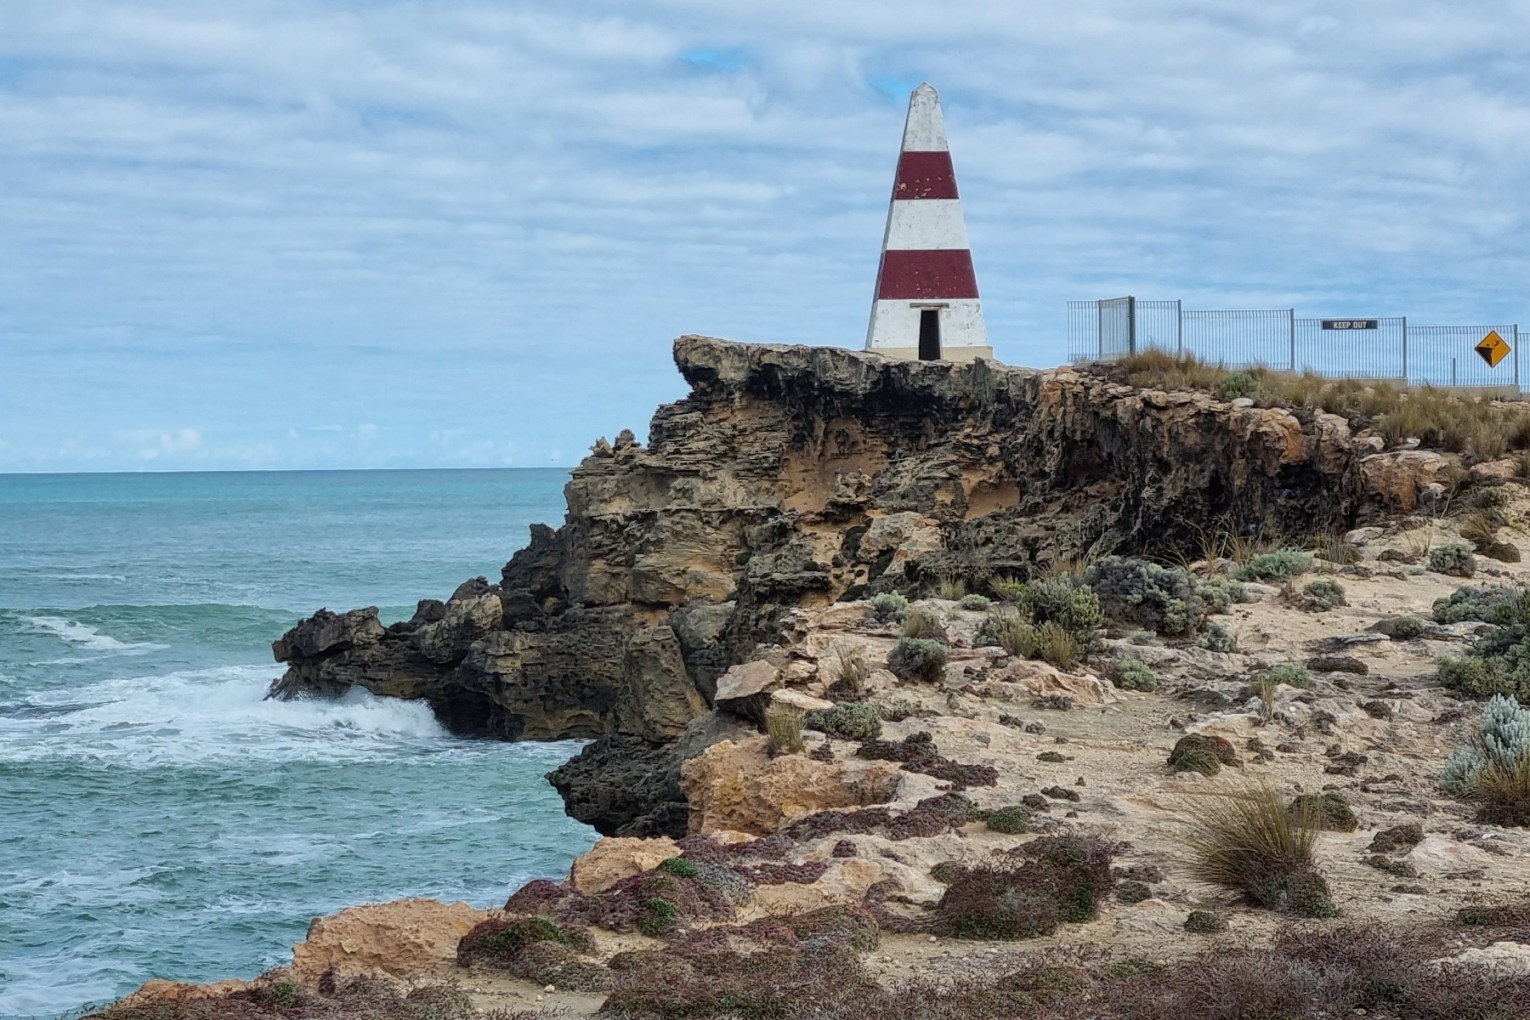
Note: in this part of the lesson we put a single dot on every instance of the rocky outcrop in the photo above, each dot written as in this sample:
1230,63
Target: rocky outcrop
793,477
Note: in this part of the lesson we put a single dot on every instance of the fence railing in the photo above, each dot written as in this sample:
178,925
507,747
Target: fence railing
1378,348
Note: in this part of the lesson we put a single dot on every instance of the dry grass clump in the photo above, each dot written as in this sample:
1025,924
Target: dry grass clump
1246,840
848,669
923,624
783,729
1479,426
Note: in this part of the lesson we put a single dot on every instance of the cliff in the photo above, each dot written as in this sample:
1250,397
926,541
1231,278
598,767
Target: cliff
792,477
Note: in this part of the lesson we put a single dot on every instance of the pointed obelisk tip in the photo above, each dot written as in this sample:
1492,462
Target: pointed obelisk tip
925,128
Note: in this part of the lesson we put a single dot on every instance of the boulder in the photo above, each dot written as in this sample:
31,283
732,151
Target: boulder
614,858
405,939
736,785
326,633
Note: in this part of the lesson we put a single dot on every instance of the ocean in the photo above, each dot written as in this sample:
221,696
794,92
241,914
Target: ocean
157,817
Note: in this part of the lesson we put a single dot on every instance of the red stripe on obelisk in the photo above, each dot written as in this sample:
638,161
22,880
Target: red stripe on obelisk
925,175
926,275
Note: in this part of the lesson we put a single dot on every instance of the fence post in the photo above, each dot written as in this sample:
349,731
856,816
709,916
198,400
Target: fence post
1099,329
1291,324
1405,350
1131,324
1515,352
1452,371
1179,326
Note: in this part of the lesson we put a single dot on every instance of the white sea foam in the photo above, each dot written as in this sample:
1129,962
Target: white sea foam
84,635
81,577
213,715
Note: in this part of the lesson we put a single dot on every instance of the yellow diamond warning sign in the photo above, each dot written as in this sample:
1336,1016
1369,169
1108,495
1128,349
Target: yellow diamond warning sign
1493,348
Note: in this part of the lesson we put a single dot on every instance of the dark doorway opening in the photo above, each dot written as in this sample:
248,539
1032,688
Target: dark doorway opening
929,334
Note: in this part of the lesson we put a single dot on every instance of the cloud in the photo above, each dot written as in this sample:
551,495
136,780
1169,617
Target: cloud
466,219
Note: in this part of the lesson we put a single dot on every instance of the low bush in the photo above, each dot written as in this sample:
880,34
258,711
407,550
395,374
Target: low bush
918,659
889,607
1010,820
1205,922
1401,628
1218,639
917,753
1321,596
1486,603
1498,662
1196,752
1050,880
848,720
1249,842
975,603
782,981
1455,559
1275,566
1133,892
498,941
1327,811
1503,552
1062,601
1165,600
1221,593
1135,675
1290,674
1397,839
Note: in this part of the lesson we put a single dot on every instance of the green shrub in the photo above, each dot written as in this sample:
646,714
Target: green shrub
1133,892
1010,820
1502,741
1289,674
848,720
497,941
918,659
1487,603
1135,675
659,915
1402,628
1221,593
1275,566
1217,639
1062,601
1166,600
1455,559
889,606
1322,595
1485,677
679,867
1238,384
975,602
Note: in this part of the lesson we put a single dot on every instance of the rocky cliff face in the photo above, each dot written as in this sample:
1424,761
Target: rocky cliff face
793,477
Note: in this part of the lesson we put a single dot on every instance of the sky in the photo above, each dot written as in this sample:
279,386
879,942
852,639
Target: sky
372,233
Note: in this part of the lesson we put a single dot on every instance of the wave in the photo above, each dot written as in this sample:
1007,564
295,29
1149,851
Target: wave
84,635
211,717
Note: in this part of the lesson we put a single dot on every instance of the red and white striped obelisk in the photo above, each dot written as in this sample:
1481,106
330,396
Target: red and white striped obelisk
927,299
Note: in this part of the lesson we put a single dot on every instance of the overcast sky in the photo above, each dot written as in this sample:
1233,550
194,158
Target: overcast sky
365,233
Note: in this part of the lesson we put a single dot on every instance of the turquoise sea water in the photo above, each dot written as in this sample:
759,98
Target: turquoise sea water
157,818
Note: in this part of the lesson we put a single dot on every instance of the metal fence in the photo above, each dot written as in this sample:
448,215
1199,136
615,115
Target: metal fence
1378,348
